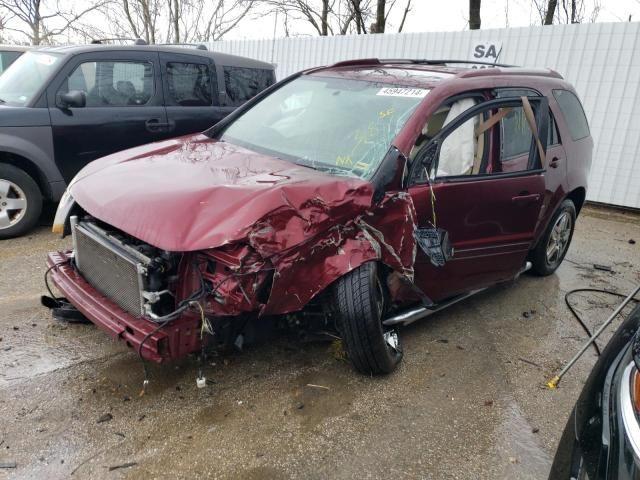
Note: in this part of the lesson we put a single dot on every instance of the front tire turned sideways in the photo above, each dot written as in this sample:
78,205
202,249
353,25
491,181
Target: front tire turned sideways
20,202
359,303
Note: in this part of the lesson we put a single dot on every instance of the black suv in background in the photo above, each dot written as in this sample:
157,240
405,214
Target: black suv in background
62,107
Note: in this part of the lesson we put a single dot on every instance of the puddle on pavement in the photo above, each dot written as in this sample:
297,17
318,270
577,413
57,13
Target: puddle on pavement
34,345
126,373
516,439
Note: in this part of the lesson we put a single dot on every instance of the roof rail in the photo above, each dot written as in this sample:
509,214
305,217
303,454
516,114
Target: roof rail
442,62
101,41
414,61
198,46
359,61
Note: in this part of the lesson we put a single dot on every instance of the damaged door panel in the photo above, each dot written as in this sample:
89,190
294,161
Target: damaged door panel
341,202
489,214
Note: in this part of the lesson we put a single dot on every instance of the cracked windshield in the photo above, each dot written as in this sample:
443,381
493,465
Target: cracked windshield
337,125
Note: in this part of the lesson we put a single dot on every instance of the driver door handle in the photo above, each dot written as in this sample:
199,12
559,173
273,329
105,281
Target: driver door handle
154,125
554,162
523,200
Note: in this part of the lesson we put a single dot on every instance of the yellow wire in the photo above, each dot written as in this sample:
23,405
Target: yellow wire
203,326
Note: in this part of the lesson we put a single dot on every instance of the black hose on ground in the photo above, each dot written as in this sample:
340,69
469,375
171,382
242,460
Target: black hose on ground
575,314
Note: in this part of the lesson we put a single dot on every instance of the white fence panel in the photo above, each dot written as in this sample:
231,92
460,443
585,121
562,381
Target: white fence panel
602,60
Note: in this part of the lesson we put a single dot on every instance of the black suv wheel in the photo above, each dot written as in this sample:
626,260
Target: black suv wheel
20,202
359,302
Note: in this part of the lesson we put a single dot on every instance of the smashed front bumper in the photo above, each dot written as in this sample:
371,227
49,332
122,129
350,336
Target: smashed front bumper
178,339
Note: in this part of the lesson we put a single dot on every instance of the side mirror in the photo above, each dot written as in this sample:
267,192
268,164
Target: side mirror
72,99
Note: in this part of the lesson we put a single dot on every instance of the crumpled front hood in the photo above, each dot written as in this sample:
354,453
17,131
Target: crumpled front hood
194,193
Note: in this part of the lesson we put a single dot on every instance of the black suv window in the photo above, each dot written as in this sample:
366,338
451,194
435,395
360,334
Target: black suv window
7,58
112,84
573,113
243,84
189,84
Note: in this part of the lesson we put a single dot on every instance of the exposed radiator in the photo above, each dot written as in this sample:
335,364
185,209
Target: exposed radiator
111,267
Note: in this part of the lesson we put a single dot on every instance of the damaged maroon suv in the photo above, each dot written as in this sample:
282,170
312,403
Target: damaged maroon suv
346,200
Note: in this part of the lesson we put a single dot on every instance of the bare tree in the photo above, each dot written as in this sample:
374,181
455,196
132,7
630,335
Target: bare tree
317,14
176,21
43,21
551,10
566,11
407,9
474,14
333,17
383,9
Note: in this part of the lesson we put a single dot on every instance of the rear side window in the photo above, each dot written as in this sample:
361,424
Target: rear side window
573,113
189,84
7,58
242,83
112,84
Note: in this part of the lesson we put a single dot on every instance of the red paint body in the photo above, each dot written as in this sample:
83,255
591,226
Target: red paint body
269,219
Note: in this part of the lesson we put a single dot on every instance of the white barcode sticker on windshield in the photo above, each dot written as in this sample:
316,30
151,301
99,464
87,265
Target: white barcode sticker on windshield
403,92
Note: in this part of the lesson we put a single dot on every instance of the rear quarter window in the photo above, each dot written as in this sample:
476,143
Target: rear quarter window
242,84
573,113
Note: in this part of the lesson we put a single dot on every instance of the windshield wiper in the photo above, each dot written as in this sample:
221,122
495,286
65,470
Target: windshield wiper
2,101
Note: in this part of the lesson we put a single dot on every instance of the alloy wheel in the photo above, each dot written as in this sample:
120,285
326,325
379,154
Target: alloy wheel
559,238
13,204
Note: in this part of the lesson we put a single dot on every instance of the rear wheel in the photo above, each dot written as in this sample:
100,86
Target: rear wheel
554,244
359,301
20,202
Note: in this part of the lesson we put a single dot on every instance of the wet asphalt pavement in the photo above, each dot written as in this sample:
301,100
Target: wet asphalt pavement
468,401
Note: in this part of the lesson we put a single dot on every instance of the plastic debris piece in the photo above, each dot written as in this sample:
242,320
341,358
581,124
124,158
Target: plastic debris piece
434,242
320,387
107,417
604,268
124,465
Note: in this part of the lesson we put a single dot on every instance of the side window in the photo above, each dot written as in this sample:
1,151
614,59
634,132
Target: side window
189,84
493,141
573,113
7,58
112,84
242,83
552,137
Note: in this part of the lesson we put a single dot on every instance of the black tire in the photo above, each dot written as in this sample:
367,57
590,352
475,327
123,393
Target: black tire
359,304
27,218
542,265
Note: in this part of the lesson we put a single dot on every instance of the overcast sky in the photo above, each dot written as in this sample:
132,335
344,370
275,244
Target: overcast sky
444,15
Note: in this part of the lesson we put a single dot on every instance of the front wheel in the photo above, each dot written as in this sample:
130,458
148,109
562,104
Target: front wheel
359,302
20,202
554,244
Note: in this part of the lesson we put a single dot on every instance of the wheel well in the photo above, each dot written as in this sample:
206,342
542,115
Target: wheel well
577,196
29,168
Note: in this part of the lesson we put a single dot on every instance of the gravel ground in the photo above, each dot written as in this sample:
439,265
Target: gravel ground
468,401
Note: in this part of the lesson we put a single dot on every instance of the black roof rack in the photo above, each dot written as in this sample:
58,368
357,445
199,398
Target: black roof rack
442,62
198,46
410,61
101,41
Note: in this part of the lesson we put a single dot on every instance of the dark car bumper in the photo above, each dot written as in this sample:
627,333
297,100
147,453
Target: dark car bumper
594,444
177,340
